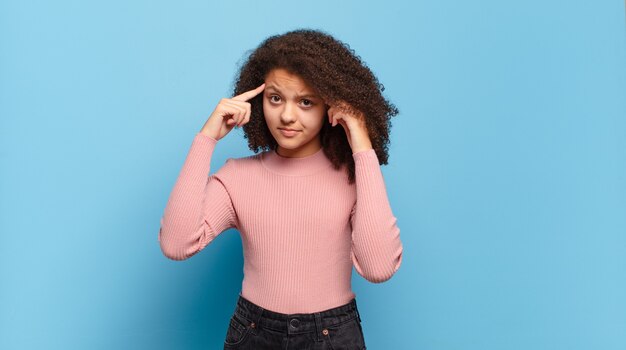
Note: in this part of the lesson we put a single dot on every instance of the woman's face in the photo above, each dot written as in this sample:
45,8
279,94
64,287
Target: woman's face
288,102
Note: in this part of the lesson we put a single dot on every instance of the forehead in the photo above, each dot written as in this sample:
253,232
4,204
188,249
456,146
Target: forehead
280,79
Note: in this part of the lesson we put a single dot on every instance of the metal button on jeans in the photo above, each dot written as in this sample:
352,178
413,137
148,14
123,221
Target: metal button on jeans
294,322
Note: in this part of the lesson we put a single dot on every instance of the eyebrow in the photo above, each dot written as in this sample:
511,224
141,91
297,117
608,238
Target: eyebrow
305,95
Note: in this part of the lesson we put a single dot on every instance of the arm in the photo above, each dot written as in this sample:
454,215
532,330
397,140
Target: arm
199,207
376,246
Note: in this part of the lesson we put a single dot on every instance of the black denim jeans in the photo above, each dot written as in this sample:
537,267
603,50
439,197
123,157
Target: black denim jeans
253,327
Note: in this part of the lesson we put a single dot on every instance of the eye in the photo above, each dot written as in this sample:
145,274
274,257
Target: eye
310,102
273,96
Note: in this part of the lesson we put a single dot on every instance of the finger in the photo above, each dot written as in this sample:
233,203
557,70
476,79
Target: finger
237,102
249,94
241,110
336,119
247,110
231,112
246,118
237,117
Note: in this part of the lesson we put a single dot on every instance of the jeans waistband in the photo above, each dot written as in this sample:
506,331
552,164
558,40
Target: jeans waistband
297,323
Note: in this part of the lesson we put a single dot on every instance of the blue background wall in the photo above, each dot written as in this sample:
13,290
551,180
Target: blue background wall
507,170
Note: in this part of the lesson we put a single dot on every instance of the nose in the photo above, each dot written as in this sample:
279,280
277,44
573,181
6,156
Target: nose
287,115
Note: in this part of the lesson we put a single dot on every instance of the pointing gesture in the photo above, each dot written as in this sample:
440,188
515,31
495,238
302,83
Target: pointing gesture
249,94
230,112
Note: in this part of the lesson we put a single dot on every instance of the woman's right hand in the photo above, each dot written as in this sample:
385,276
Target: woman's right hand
230,112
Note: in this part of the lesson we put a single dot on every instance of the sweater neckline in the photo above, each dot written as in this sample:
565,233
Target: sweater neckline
295,166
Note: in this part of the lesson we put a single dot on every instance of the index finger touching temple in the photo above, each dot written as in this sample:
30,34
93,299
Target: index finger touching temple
249,94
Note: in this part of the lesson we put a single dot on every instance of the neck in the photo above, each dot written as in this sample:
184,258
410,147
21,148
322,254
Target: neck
295,166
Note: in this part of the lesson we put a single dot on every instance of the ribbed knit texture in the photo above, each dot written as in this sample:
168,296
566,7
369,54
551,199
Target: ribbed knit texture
303,226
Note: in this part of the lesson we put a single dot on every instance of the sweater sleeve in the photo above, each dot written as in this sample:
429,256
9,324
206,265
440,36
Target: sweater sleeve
199,207
376,246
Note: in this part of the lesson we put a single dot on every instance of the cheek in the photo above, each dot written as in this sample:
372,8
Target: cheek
315,119
269,113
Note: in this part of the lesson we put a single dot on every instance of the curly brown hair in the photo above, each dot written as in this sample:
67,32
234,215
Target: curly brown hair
336,73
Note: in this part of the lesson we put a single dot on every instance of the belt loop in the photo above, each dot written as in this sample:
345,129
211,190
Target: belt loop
318,326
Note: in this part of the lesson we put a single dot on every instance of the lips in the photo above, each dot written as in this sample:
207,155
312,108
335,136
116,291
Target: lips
287,129
288,132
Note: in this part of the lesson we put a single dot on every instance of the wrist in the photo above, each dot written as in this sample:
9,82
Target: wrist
360,144
208,133
362,148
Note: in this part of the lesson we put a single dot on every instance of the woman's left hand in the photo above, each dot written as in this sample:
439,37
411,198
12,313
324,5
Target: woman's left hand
353,124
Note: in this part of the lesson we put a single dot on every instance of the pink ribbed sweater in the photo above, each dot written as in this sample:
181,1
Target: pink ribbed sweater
303,226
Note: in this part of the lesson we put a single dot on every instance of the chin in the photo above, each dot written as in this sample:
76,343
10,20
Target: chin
290,145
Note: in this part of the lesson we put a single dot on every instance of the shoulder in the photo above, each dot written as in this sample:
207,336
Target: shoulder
240,166
247,162
250,160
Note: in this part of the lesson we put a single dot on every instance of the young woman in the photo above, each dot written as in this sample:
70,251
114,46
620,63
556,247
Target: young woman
309,207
